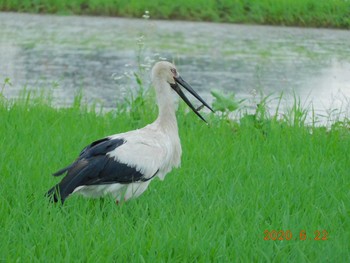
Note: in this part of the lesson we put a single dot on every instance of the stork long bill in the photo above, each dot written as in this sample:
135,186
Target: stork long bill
183,83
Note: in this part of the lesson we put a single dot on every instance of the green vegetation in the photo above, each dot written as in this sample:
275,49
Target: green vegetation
238,179
319,13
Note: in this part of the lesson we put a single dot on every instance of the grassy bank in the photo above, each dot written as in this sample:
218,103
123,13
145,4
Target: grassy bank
237,180
323,13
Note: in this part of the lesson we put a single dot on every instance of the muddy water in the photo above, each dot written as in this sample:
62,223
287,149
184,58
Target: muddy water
65,54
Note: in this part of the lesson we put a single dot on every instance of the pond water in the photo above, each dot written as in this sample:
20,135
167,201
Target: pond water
97,55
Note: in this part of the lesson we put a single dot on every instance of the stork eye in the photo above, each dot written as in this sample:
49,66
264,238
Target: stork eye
173,71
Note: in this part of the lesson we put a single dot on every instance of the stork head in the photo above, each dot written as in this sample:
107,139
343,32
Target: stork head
166,71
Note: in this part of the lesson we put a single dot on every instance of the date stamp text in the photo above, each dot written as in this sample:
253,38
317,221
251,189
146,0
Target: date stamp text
318,235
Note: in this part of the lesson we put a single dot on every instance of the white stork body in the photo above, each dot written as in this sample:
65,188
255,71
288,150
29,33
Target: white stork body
151,150
124,164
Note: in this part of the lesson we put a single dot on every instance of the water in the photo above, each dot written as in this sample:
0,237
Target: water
98,55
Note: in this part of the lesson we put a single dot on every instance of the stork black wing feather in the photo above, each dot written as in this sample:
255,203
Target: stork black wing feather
88,150
94,167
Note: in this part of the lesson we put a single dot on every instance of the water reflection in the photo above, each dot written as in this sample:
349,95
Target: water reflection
91,53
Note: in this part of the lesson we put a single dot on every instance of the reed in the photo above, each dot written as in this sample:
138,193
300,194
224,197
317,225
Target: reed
314,13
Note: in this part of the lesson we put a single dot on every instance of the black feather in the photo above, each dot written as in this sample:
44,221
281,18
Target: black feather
94,167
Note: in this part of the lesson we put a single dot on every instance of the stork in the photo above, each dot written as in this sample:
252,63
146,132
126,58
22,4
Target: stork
124,164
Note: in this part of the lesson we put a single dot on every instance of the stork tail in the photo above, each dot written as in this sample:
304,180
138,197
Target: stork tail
55,195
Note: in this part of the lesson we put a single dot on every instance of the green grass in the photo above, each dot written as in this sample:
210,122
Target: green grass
319,13
237,180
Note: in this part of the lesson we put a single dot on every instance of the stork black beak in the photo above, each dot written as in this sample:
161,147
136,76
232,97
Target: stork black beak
183,83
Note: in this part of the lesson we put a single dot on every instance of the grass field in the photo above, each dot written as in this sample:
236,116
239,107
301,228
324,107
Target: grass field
319,13
237,180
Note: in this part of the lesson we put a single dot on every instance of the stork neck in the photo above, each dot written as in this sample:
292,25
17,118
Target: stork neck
167,114
167,106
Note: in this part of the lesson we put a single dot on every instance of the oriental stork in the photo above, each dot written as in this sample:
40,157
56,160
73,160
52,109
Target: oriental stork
124,164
